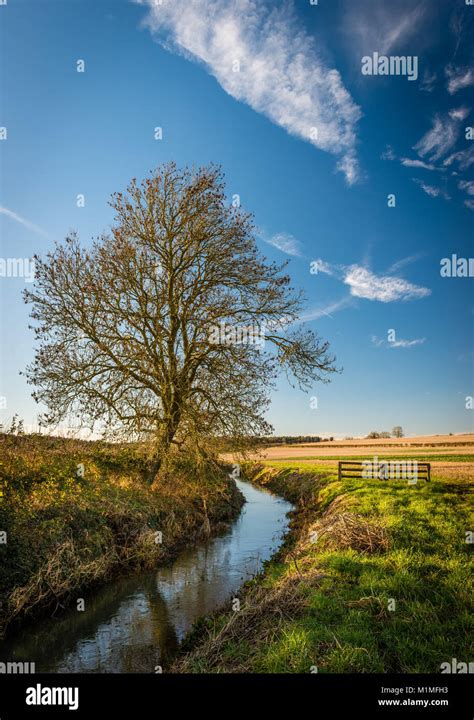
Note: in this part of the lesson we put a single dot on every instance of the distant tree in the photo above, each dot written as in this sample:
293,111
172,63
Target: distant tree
127,328
384,434
373,435
397,431
13,429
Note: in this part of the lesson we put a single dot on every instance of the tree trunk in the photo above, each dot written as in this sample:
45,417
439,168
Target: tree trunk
154,468
162,451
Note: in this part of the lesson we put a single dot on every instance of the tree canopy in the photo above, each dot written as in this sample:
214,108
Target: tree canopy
172,326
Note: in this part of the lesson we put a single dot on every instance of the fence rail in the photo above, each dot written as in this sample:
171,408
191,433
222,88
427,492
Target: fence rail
383,470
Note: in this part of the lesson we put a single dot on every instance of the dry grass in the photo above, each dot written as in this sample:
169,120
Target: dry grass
53,582
259,620
66,533
339,530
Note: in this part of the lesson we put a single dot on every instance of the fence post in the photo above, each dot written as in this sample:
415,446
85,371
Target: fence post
339,470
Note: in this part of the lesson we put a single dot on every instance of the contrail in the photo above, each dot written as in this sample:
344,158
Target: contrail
22,221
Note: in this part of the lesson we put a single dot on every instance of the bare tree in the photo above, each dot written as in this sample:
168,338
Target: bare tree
397,431
147,331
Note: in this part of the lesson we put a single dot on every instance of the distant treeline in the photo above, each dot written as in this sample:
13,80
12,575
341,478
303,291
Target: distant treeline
227,444
290,439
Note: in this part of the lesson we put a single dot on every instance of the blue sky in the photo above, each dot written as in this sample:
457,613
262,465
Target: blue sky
274,92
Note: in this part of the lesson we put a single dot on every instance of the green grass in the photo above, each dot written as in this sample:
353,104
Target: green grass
403,607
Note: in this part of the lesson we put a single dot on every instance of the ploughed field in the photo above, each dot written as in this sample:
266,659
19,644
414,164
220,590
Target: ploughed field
452,455
413,446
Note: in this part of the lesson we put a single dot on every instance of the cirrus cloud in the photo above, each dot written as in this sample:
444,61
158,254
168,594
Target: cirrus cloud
380,342
285,242
260,56
459,78
384,288
431,190
23,221
467,186
363,283
409,162
443,134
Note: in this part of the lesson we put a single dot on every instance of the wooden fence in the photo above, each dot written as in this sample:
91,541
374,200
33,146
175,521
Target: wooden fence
384,470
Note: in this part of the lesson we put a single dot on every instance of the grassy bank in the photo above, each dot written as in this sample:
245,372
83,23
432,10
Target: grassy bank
65,532
374,577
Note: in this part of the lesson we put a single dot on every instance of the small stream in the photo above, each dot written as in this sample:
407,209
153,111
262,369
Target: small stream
136,622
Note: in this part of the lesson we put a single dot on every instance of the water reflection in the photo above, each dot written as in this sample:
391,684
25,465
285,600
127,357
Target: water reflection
136,623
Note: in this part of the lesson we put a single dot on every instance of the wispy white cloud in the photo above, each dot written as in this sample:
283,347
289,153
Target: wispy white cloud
460,113
326,268
285,242
469,204
459,78
467,186
262,57
406,343
388,153
23,221
431,190
463,159
408,162
382,26
381,342
327,310
378,342
443,134
457,25
403,262
363,283
428,81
